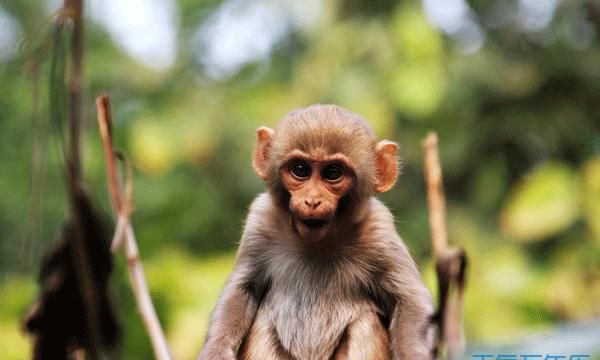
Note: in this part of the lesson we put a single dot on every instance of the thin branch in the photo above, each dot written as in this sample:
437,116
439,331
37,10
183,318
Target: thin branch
104,113
126,207
143,299
124,231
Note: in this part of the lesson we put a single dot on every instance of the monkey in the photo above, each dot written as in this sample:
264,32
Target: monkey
321,272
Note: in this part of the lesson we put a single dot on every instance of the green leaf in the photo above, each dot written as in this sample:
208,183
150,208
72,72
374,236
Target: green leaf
541,204
590,177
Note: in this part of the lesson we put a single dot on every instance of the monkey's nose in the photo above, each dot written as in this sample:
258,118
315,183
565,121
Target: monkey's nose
312,203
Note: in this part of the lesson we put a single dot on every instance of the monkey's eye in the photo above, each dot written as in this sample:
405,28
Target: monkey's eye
300,169
332,172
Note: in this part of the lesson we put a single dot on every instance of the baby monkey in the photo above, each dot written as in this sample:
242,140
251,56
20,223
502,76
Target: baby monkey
320,271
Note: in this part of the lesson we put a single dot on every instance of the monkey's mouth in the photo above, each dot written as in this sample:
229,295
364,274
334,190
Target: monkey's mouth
312,229
314,223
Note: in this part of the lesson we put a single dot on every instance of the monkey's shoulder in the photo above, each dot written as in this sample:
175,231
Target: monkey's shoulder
261,205
378,211
262,219
379,228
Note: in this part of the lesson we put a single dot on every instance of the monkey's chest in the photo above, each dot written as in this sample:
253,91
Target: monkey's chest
309,319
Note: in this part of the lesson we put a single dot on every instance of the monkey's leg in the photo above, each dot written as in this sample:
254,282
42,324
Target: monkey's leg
365,339
262,343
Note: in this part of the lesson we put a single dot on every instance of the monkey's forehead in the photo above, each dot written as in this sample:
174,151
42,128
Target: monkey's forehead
326,115
324,141
325,128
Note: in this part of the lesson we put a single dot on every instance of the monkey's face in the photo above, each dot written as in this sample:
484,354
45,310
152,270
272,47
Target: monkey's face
321,164
316,182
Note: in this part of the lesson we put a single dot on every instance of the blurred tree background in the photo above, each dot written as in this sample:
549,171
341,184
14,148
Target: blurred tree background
511,86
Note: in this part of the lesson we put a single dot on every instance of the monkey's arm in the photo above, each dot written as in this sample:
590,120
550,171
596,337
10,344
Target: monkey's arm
411,329
236,308
233,314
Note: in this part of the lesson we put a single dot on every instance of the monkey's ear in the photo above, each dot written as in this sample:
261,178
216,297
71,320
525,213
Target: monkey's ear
386,165
260,161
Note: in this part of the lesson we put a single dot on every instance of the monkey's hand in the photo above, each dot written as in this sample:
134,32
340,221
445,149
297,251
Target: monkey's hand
233,314
411,329
411,334
230,322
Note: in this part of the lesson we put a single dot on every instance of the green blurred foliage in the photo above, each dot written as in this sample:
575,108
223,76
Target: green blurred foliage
545,202
519,127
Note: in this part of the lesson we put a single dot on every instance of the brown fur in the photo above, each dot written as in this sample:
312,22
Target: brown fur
345,290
